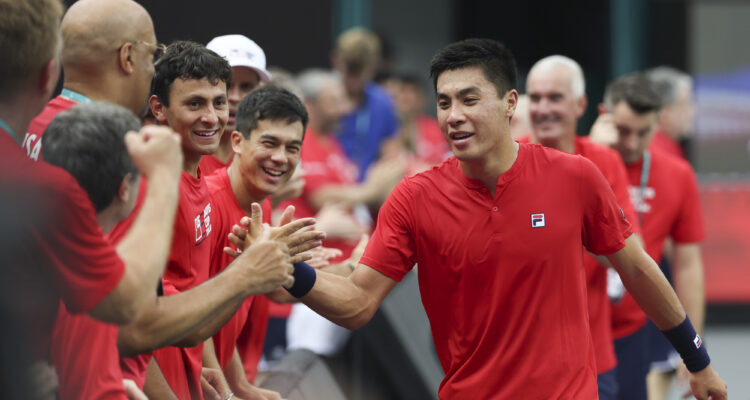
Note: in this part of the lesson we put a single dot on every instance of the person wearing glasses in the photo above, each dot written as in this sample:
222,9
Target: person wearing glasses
108,54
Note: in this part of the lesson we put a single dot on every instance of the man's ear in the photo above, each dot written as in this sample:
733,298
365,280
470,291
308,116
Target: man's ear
237,139
125,58
581,104
47,80
158,108
511,101
126,186
601,109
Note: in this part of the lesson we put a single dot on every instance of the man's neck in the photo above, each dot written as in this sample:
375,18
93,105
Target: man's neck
497,162
18,120
241,193
565,143
191,163
225,152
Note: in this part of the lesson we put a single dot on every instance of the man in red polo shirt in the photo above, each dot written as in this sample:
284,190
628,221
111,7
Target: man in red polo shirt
675,88
557,99
665,194
497,232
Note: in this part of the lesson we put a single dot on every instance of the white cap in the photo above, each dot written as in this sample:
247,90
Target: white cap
240,51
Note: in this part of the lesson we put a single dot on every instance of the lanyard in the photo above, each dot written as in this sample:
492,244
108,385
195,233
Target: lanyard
644,182
4,126
75,96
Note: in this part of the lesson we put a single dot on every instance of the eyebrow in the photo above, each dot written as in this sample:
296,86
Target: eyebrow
272,137
462,92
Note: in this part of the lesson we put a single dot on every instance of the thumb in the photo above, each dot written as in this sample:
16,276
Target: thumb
287,216
256,220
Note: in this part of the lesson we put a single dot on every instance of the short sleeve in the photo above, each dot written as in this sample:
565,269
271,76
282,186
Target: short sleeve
391,249
87,266
688,226
605,226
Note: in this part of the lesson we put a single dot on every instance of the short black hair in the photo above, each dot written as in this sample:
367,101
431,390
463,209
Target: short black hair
270,103
88,141
188,60
495,60
637,90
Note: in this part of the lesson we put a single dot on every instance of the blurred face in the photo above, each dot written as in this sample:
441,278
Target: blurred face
331,105
677,119
143,54
634,131
268,158
244,81
198,111
472,117
553,108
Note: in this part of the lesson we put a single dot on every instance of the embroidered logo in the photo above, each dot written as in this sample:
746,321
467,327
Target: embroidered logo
537,220
203,225
697,341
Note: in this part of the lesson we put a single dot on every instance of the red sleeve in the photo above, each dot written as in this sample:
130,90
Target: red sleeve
605,226
87,266
688,227
391,248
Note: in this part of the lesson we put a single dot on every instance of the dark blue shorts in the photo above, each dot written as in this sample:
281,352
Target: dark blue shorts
632,365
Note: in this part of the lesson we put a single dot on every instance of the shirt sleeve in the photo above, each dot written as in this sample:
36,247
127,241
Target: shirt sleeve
87,266
391,249
688,226
605,226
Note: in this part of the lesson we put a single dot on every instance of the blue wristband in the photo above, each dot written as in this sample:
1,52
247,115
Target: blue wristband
689,344
304,279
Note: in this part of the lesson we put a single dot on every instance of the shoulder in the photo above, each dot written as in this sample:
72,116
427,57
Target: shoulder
602,156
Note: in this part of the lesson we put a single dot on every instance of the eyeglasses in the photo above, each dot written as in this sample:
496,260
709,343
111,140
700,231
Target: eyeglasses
159,48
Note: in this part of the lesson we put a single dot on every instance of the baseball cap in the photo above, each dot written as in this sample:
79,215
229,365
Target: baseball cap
240,51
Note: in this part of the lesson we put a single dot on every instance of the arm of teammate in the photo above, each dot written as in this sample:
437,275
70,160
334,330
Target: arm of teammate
212,373
655,296
156,386
235,374
156,153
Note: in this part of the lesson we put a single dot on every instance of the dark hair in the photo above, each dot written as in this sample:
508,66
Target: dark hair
88,141
636,90
495,60
269,103
188,60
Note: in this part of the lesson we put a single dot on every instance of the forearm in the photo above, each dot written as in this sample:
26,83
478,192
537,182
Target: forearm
235,373
209,355
173,319
689,282
156,387
648,286
146,246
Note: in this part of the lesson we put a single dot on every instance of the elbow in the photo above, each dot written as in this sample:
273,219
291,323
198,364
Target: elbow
130,342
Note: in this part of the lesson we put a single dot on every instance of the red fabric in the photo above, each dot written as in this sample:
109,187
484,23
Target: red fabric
504,299
665,144
84,352
670,206
32,142
253,336
600,316
59,251
324,162
227,213
187,267
210,164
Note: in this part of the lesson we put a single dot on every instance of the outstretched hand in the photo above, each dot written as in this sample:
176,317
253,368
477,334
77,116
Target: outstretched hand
706,384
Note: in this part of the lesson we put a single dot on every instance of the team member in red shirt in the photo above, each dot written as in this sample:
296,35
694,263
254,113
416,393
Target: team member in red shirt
557,99
497,234
665,195
190,96
248,62
57,251
108,54
675,89
88,141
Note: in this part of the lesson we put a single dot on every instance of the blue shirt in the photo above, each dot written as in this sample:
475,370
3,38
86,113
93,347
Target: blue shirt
364,130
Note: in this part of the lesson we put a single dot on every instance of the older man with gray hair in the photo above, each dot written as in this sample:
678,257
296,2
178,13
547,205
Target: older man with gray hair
675,89
557,99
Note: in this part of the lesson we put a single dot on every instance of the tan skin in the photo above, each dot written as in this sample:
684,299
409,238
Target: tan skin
475,121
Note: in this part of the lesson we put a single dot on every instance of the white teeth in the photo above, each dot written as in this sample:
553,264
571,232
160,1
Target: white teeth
273,173
205,134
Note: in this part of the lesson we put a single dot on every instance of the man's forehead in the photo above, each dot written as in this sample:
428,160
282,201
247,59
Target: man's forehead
462,80
199,87
553,79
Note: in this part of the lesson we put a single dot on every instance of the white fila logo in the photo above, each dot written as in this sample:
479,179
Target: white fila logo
537,220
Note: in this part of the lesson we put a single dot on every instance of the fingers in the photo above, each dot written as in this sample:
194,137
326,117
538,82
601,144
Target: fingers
294,226
288,282
303,246
232,252
302,257
287,216
256,220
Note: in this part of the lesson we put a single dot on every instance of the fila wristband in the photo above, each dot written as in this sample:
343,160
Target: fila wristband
689,344
304,279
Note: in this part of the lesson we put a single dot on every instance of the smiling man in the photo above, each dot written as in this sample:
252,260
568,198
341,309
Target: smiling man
497,232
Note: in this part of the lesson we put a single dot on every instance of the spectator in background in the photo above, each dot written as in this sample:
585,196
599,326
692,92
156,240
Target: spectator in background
373,118
248,62
557,99
675,89
664,192
419,135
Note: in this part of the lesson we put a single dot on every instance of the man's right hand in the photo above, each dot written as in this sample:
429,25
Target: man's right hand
706,384
155,150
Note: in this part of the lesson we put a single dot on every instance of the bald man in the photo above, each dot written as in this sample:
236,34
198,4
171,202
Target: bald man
108,54
557,99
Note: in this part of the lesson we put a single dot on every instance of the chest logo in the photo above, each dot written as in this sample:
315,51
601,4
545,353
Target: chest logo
537,220
203,225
